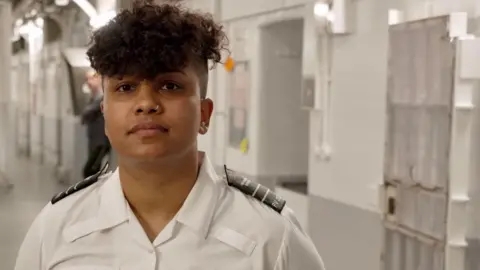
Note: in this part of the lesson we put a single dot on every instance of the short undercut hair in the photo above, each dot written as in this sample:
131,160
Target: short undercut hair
150,39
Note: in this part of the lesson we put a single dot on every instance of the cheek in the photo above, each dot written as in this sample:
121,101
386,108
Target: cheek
192,112
108,128
114,120
184,111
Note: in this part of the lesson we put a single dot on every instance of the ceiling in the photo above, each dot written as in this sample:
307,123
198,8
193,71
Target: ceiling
20,7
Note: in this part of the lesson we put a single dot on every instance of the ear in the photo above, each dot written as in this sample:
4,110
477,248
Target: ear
206,107
101,106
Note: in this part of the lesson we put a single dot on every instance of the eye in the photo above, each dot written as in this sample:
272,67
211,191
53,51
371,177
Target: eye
170,86
126,88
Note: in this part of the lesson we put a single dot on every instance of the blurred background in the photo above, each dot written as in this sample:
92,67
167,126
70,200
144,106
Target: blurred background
362,114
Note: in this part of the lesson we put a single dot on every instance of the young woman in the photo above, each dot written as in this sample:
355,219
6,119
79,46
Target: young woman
164,207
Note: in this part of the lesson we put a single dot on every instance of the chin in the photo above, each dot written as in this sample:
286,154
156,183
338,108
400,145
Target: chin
153,152
150,153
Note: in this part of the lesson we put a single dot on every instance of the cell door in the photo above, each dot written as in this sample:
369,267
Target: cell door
419,106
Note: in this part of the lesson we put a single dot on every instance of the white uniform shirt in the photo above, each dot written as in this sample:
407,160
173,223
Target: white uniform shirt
217,228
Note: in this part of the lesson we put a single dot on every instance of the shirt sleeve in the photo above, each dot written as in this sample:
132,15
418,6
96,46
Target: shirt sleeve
30,255
297,250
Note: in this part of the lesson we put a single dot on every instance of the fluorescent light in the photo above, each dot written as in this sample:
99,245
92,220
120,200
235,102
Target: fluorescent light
394,16
321,9
30,29
18,22
86,7
39,22
61,3
96,20
102,19
330,17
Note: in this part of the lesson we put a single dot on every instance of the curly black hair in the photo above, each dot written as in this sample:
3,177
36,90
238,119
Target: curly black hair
150,39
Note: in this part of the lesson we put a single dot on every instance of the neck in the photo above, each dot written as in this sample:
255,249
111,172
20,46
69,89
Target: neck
159,189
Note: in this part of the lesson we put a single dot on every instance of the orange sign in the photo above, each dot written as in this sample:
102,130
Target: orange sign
229,64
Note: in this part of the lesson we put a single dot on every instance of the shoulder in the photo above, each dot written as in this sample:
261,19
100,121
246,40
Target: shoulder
78,202
254,191
253,210
78,189
269,225
82,195
266,220
46,232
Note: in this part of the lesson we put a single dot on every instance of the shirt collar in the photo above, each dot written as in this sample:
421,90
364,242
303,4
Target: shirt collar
199,207
197,210
113,206
112,210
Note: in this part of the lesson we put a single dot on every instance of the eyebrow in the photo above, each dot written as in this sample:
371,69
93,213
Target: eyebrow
160,74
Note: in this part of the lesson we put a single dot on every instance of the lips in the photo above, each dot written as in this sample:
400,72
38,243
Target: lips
148,128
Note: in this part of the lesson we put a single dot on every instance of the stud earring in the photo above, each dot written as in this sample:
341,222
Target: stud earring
204,126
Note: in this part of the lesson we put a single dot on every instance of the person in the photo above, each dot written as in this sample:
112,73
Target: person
98,144
164,207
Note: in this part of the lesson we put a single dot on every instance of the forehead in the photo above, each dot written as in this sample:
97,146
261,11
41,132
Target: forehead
189,72
151,66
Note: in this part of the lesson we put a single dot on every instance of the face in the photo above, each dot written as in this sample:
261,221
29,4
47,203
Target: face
149,120
93,82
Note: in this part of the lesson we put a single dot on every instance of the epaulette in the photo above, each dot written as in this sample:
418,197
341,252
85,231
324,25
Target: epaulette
77,187
256,190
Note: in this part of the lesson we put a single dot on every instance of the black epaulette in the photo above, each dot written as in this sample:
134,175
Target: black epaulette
77,187
259,192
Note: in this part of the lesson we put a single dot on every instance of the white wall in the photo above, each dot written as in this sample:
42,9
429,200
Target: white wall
240,26
358,96
416,9
202,5
21,100
51,58
353,174
283,135
358,101
5,48
5,95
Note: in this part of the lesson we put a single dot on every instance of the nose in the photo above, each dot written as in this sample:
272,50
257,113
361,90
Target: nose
148,110
147,103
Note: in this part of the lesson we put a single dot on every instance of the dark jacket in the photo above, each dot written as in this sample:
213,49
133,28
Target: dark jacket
92,117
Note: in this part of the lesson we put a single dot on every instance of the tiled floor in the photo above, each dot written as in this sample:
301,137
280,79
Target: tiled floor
33,186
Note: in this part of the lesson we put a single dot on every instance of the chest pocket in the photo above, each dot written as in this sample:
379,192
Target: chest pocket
234,239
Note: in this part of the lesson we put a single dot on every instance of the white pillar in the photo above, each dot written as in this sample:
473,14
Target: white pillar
5,95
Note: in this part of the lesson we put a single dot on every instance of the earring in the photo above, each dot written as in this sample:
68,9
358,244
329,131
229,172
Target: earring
204,126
